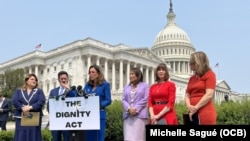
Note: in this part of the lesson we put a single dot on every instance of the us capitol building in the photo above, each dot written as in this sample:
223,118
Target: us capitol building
171,45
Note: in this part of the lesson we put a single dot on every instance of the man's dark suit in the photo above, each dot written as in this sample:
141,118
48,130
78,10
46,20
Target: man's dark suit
57,134
4,114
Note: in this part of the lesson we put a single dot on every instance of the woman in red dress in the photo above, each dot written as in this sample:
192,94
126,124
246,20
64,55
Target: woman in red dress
200,90
162,98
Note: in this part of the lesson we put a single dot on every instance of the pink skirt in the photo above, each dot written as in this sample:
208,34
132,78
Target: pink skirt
134,129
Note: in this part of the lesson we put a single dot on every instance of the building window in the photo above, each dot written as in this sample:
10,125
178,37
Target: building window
54,84
70,81
47,70
41,72
70,65
48,88
62,66
54,68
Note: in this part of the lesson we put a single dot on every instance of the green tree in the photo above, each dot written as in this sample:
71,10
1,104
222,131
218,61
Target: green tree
10,80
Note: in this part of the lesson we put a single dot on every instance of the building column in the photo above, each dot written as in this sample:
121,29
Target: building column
128,72
113,76
183,67
30,69
214,97
179,66
152,76
174,67
121,75
189,69
141,68
220,97
97,60
147,79
79,69
186,68
106,68
88,61
36,70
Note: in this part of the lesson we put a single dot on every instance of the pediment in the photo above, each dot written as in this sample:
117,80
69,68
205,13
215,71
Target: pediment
144,52
222,84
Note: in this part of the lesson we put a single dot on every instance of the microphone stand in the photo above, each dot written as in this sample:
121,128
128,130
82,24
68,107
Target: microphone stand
79,135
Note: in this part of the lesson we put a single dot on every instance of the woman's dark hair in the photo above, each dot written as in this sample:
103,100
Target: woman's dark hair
100,79
138,74
164,67
24,86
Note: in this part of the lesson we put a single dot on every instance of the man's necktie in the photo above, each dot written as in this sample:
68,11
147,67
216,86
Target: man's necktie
61,91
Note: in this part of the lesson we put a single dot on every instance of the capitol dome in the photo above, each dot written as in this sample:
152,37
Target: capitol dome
171,32
172,44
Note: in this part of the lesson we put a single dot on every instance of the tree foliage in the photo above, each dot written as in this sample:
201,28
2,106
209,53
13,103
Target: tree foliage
114,130
233,113
10,80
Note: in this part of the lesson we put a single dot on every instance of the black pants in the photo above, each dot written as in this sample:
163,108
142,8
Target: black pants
3,125
77,135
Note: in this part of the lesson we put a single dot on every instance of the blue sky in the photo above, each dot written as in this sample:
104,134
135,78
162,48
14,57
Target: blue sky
219,28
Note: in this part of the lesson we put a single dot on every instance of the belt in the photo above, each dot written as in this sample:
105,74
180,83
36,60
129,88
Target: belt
160,102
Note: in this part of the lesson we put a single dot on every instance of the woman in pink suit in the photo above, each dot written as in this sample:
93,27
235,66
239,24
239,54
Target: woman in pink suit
135,114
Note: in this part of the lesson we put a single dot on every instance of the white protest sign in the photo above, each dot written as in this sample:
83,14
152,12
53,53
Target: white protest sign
74,113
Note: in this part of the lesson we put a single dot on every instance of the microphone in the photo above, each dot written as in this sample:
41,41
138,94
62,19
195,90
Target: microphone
66,92
81,92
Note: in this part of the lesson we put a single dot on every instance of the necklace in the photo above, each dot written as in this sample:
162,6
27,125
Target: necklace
158,87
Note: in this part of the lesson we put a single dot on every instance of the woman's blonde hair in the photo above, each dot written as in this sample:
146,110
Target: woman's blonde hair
201,62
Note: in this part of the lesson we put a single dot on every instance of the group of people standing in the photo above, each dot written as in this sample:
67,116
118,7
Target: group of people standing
29,98
142,103
155,104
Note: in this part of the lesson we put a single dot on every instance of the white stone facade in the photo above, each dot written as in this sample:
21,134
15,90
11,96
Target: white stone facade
115,61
